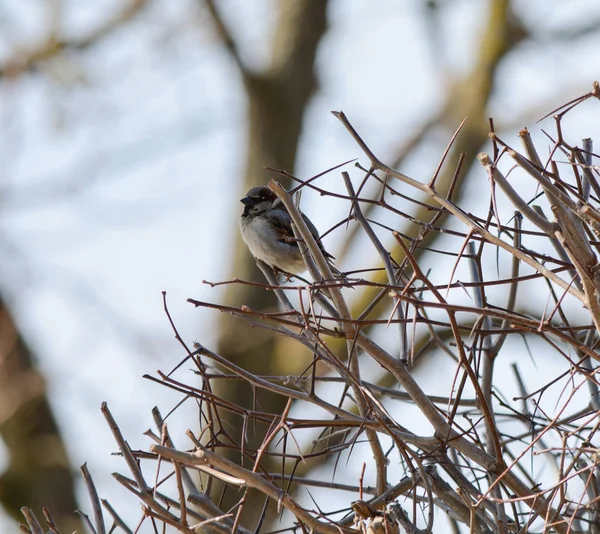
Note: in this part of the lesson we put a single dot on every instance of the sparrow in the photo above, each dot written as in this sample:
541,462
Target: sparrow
266,228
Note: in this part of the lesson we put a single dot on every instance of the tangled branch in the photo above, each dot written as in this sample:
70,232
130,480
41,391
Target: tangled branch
487,462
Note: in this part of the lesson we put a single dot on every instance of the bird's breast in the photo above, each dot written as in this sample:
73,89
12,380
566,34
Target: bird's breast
265,243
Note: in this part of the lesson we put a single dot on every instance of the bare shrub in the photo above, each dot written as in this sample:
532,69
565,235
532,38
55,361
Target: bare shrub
472,455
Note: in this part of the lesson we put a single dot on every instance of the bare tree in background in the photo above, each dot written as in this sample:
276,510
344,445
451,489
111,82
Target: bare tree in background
31,435
39,472
277,99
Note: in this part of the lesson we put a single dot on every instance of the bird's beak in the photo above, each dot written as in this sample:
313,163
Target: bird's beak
246,201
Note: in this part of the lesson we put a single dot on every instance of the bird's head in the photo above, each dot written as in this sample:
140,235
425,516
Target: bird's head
258,200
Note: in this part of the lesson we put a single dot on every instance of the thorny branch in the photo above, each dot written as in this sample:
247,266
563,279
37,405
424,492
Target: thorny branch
488,460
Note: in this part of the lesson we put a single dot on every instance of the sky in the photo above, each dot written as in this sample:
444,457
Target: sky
123,164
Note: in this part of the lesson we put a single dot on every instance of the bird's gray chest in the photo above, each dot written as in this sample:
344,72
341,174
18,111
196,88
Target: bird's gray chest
265,243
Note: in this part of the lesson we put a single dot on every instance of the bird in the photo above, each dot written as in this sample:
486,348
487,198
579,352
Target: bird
266,228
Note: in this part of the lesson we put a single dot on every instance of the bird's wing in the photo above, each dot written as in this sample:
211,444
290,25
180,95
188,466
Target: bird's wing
315,234
282,222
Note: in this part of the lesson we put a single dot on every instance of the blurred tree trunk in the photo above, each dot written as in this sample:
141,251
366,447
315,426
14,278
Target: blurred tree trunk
277,99
38,473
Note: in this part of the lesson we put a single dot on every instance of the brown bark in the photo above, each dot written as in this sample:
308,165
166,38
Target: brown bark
38,473
277,99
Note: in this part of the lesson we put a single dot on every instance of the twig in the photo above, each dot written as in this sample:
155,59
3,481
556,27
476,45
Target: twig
98,518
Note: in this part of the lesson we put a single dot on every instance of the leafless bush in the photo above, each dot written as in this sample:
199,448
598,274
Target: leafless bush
487,462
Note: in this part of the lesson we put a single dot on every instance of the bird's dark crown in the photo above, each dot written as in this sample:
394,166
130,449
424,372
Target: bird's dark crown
260,193
259,200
